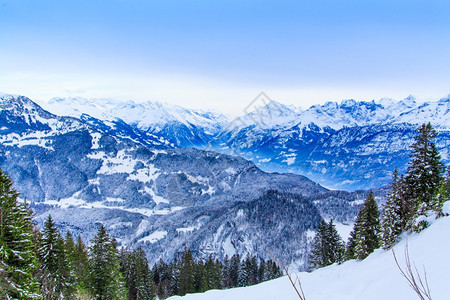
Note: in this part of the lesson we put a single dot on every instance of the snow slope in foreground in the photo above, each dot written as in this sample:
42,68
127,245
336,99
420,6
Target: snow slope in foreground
376,277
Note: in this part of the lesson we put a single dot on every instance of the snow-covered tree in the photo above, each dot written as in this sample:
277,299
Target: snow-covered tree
398,212
364,238
138,276
425,169
56,271
18,259
328,247
105,279
442,195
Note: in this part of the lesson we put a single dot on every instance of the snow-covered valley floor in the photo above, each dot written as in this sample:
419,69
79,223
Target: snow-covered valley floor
376,277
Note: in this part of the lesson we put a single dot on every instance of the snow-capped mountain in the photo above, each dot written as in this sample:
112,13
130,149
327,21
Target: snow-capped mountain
85,171
181,127
351,145
348,145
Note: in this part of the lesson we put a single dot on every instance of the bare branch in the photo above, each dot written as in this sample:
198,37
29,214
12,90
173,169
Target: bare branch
299,290
418,283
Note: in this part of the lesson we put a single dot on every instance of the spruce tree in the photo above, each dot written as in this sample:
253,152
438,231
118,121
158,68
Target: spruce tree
442,195
186,273
161,278
235,264
366,230
327,247
138,277
106,282
18,259
335,250
425,169
398,212
79,260
56,272
317,256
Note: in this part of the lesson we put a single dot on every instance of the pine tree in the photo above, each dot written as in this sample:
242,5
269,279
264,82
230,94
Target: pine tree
235,264
317,256
106,282
245,271
366,230
18,259
226,272
79,260
200,281
335,246
56,272
139,282
398,212
174,280
161,278
425,169
327,248
186,273
442,195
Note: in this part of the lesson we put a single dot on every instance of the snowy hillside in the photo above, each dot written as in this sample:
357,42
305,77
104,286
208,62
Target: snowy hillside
376,277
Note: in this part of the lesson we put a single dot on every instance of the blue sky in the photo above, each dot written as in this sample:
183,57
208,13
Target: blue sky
221,54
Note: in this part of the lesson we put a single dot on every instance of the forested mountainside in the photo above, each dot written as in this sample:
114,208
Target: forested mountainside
158,197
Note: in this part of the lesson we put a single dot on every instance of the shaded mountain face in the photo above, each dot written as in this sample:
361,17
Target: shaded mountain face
86,171
349,145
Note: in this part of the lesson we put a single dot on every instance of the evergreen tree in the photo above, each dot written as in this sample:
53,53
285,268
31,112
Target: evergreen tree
56,272
335,250
161,278
106,282
262,274
318,253
18,259
425,168
327,247
245,272
79,259
443,194
137,274
272,270
186,273
398,212
364,237
235,264
226,272
200,280
174,280
350,247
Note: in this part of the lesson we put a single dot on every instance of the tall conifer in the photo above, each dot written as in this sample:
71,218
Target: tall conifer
18,259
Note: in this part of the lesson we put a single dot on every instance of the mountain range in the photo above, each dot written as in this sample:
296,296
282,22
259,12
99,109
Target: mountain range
162,192
85,171
349,145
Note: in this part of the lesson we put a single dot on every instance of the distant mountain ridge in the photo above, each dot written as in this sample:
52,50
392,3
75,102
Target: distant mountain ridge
348,145
87,171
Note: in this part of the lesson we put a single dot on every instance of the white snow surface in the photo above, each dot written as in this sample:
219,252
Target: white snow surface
150,114
376,277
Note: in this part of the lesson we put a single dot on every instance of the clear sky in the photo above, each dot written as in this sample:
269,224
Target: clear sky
221,54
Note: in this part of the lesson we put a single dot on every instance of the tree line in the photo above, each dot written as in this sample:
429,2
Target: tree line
413,197
43,264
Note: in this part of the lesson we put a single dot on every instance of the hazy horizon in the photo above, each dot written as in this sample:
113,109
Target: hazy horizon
221,55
